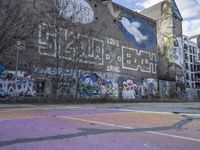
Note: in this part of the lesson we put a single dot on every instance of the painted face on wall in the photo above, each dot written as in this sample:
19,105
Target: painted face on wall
166,25
76,10
177,26
165,33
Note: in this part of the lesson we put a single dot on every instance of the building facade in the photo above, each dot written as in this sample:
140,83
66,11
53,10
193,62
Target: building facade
98,49
191,67
116,47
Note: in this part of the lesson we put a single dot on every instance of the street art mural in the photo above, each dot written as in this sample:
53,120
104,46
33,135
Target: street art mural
171,89
178,51
129,89
137,88
76,10
149,88
22,86
170,41
67,77
92,85
134,28
180,86
165,38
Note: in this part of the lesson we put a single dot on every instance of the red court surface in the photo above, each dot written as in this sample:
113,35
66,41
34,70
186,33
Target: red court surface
77,128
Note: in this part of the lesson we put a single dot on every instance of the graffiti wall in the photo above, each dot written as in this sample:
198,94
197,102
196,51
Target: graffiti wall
172,89
22,86
116,86
170,41
93,85
129,87
67,79
150,88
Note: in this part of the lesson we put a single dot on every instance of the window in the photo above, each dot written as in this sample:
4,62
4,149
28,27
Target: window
187,76
192,76
186,56
193,50
186,66
185,46
192,68
190,49
192,85
191,60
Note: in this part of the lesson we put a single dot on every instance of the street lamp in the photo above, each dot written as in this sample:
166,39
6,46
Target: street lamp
16,67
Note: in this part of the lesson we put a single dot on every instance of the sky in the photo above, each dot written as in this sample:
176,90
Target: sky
190,11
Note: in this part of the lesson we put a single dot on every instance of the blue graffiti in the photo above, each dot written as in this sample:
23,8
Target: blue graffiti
2,68
91,85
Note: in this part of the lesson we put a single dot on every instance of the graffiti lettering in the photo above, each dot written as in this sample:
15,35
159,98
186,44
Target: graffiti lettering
132,60
112,42
95,51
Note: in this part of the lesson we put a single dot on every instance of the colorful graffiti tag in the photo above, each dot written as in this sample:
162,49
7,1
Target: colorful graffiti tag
67,77
129,89
150,88
23,86
134,28
91,85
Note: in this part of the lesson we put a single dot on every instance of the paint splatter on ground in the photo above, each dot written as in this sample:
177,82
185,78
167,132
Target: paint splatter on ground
76,128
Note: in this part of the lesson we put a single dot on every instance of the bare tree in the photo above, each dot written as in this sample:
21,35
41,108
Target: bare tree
16,22
67,46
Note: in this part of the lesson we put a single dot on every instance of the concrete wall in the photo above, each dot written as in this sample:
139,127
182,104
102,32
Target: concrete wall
90,84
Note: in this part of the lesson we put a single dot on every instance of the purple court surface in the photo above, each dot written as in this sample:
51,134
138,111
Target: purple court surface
96,128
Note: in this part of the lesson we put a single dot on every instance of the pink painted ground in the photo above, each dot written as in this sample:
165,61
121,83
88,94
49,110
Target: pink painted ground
96,129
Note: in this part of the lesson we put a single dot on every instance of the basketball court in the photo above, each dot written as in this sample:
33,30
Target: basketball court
93,128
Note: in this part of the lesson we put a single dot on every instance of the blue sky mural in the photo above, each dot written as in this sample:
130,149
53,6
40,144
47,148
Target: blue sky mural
139,31
189,9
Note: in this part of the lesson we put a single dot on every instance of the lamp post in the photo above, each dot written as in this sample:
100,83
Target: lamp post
16,67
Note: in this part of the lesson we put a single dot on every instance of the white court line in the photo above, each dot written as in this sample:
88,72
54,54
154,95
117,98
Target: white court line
9,119
175,136
142,111
127,127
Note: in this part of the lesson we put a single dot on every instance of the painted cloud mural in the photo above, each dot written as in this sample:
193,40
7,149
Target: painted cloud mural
136,29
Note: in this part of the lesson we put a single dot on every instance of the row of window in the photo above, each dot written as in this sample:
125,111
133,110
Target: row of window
191,48
192,58
193,77
192,67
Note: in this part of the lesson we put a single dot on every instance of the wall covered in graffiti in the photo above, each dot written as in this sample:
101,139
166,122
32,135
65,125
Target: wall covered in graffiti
22,86
67,79
93,85
172,89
